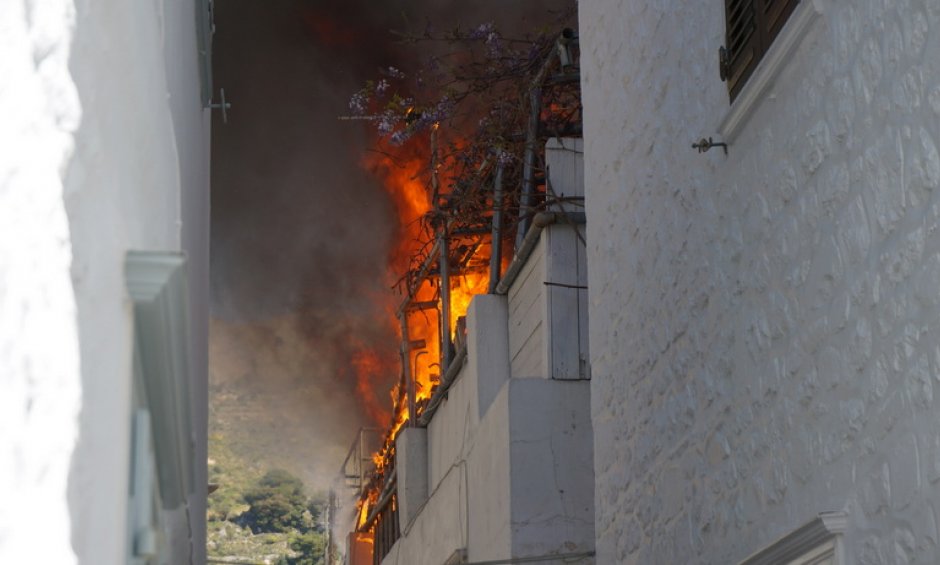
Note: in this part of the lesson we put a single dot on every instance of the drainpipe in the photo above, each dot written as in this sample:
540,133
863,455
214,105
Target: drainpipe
531,150
496,238
444,263
406,366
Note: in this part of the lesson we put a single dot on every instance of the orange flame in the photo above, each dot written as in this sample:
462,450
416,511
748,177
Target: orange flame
405,178
366,365
407,181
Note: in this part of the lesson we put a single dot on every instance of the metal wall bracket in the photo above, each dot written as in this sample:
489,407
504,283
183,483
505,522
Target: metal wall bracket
704,145
223,105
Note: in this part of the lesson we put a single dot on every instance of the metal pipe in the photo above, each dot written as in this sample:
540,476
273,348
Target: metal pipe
362,468
528,162
444,263
541,220
496,238
390,482
352,450
567,38
422,273
531,150
414,379
406,366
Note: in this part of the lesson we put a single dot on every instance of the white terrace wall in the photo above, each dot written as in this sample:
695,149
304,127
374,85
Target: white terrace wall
509,461
765,327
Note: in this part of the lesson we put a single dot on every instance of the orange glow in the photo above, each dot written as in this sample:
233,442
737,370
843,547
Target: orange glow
363,513
328,31
367,365
405,180
462,291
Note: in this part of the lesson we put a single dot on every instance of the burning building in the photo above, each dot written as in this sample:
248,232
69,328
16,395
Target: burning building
489,453
761,231
763,258
499,460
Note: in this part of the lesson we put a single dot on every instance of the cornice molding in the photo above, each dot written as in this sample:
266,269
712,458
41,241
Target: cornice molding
147,273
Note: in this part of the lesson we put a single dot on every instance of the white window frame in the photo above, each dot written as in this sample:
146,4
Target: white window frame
778,54
817,542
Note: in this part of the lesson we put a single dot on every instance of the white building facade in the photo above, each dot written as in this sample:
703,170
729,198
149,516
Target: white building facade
764,325
104,201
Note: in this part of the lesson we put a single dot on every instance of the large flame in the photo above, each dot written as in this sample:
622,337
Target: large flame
406,177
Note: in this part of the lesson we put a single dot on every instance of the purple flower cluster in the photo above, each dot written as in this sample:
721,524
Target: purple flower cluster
494,46
483,31
441,111
387,121
491,38
400,137
359,102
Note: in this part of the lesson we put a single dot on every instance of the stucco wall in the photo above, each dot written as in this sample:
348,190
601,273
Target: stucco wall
138,180
764,326
40,385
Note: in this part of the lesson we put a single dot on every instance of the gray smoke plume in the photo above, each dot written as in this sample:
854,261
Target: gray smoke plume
300,231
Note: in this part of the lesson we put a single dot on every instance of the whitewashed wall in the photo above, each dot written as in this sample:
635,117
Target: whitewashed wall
138,180
40,381
765,327
133,174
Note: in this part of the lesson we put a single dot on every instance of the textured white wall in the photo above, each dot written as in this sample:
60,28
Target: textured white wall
40,388
137,180
765,327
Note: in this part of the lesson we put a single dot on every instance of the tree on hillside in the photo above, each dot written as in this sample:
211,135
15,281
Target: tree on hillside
276,504
310,546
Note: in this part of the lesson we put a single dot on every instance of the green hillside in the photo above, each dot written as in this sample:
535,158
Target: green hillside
260,515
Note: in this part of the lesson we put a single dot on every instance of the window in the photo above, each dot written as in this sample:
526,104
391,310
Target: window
750,28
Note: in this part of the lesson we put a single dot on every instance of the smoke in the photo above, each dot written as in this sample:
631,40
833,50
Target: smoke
301,232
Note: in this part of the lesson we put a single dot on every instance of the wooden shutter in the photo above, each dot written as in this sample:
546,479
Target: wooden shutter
774,14
750,28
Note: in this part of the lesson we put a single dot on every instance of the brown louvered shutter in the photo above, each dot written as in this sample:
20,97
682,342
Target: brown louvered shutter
774,14
750,28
